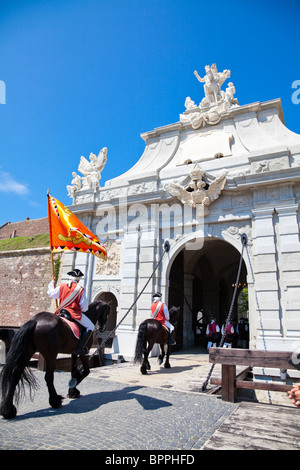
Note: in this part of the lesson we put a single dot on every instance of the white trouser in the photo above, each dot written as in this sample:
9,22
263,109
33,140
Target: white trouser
211,344
86,322
169,325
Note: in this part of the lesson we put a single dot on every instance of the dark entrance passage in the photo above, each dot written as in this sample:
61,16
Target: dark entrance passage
110,298
203,281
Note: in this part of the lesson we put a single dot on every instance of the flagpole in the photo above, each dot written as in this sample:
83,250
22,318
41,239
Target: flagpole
50,233
50,236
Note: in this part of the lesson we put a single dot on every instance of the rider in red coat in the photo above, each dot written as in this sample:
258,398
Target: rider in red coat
160,312
73,299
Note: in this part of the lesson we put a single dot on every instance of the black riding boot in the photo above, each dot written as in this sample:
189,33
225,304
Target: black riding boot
82,349
172,341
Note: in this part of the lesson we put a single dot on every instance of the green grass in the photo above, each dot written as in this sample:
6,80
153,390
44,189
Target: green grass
21,243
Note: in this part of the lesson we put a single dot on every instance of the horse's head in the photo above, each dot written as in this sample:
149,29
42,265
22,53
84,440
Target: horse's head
174,315
98,312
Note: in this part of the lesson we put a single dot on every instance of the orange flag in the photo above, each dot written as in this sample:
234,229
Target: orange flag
68,233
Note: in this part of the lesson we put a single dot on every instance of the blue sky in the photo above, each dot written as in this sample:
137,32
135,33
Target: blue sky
80,75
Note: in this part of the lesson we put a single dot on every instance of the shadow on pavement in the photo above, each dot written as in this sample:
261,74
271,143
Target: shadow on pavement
93,401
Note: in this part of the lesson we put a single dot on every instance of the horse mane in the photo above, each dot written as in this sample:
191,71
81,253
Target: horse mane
91,310
174,315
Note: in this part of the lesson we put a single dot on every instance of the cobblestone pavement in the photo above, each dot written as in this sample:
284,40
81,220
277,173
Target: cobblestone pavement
114,416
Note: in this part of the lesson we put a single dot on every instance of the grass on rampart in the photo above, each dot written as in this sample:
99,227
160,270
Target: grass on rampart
22,243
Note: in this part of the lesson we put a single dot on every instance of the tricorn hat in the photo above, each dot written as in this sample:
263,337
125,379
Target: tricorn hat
75,273
157,295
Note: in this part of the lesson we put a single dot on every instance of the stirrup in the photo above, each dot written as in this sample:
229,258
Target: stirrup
82,349
72,382
171,341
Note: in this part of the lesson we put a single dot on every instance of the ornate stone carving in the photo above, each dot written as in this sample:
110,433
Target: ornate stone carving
242,199
111,265
92,173
92,169
271,164
106,287
75,185
198,191
212,82
215,102
142,188
236,230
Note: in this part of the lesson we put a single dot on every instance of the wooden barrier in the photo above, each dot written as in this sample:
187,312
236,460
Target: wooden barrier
231,357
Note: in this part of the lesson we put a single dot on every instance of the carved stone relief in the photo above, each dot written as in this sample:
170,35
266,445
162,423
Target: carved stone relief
270,164
216,101
111,265
236,230
198,190
106,287
91,171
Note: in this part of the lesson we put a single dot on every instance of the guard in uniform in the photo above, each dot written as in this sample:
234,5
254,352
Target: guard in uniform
212,333
229,330
160,312
72,298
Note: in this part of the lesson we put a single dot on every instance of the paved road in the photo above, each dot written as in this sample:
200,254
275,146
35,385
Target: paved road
114,416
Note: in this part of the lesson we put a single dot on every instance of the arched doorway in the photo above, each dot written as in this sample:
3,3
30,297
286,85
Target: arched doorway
109,297
203,281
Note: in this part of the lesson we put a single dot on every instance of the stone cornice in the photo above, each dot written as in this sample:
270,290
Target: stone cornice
251,181
26,251
237,111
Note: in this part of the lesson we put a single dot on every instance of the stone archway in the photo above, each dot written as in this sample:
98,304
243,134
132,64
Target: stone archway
204,280
109,297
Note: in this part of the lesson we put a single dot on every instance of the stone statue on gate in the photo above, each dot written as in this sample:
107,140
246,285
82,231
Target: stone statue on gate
92,169
212,82
75,185
215,102
198,191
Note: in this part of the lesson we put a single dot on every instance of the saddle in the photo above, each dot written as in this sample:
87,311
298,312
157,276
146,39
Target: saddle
76,328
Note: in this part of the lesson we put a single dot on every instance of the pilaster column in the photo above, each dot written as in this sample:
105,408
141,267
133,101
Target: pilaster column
289,271
147,262
267,321
188,334
129,269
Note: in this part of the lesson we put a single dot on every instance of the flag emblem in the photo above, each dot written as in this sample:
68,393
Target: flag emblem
67,232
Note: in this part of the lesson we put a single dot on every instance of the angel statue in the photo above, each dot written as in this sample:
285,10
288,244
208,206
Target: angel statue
196,192
92,169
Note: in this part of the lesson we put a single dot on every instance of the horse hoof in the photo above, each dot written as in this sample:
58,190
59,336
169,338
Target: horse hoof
143,371
56,402
167,366
73,393
11,413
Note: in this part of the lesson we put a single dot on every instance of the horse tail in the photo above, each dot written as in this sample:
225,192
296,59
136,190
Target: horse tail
15,373
141,342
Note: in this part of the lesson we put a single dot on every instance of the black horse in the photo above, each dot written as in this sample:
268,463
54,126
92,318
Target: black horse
48,334
151,331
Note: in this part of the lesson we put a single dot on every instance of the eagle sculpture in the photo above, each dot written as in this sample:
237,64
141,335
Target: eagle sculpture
198,191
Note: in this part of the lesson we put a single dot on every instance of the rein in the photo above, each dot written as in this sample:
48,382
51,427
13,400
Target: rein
166,250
